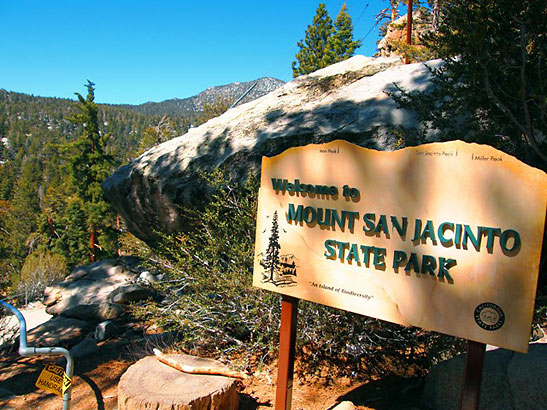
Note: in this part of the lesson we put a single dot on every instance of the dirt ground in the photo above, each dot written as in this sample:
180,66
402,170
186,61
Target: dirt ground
96,379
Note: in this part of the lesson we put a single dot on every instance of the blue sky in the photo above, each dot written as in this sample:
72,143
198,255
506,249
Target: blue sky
138,51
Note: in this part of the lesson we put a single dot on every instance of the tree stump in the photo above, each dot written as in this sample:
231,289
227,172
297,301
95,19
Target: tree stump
150,384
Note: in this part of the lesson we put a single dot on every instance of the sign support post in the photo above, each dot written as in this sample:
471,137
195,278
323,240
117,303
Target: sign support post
472,377
287,342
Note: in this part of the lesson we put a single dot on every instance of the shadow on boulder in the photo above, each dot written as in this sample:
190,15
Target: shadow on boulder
510,381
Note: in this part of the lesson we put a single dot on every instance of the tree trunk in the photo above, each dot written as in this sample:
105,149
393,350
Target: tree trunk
92,248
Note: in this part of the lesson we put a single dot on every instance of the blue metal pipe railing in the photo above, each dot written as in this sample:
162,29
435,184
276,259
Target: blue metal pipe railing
24,350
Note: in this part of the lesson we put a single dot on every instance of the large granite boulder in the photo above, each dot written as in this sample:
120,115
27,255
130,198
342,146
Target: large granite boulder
347,100
526,375
510,381
87,293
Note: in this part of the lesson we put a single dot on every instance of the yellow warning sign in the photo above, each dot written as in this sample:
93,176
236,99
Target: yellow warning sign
53,379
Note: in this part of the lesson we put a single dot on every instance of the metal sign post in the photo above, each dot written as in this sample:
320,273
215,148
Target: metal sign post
287,342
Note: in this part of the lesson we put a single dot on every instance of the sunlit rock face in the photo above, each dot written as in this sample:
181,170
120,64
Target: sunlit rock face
391,45
348,100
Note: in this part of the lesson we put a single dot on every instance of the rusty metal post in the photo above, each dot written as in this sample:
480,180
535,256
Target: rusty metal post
287,342
472,377
408,27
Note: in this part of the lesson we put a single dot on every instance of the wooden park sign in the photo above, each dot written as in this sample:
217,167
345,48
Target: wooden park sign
443,236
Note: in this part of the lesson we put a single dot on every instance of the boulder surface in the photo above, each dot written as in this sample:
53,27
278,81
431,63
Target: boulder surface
59,331
347,100
510,381
86,293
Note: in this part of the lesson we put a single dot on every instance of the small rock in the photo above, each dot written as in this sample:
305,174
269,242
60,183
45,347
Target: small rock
147,277
86,347
109,310
101,311
105,330
129,293
345,405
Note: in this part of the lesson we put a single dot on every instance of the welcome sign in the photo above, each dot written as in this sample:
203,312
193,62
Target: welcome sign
443,236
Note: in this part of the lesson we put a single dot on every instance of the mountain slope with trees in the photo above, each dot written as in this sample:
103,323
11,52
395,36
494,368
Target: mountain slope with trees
50,197
195,104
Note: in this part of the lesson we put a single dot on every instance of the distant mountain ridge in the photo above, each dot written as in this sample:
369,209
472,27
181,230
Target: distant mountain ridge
194,104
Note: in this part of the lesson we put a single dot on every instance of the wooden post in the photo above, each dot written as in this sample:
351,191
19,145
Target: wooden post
472,377
287,341
408,27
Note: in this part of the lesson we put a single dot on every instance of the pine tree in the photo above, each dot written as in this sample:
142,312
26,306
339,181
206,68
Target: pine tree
215,108
90,167
21,222
35,131
312,54
155,135
325,43
341,45
74,236
495,74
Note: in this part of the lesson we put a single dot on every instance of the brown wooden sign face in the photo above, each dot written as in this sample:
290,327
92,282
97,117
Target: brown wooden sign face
444,236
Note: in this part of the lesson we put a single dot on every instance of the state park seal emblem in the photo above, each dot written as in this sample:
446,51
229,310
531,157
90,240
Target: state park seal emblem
489,316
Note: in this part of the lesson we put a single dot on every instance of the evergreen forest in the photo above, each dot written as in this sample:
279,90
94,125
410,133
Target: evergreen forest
40,214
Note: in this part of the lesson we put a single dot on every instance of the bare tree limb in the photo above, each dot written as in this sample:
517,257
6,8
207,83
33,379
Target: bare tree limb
530,139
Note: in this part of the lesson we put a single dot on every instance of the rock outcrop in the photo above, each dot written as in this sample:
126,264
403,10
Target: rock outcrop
347,100
510,381
90,302
86,347
59,331
393,44
96,291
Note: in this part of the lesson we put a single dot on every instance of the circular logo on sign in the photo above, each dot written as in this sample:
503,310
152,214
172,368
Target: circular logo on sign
489,316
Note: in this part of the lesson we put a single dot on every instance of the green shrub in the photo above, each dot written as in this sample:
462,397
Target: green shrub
210,300
39,270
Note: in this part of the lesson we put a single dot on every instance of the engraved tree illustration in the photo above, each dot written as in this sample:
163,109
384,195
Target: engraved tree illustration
271,263
278,269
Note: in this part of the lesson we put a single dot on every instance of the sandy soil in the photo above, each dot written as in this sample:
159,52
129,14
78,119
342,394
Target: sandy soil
96,379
